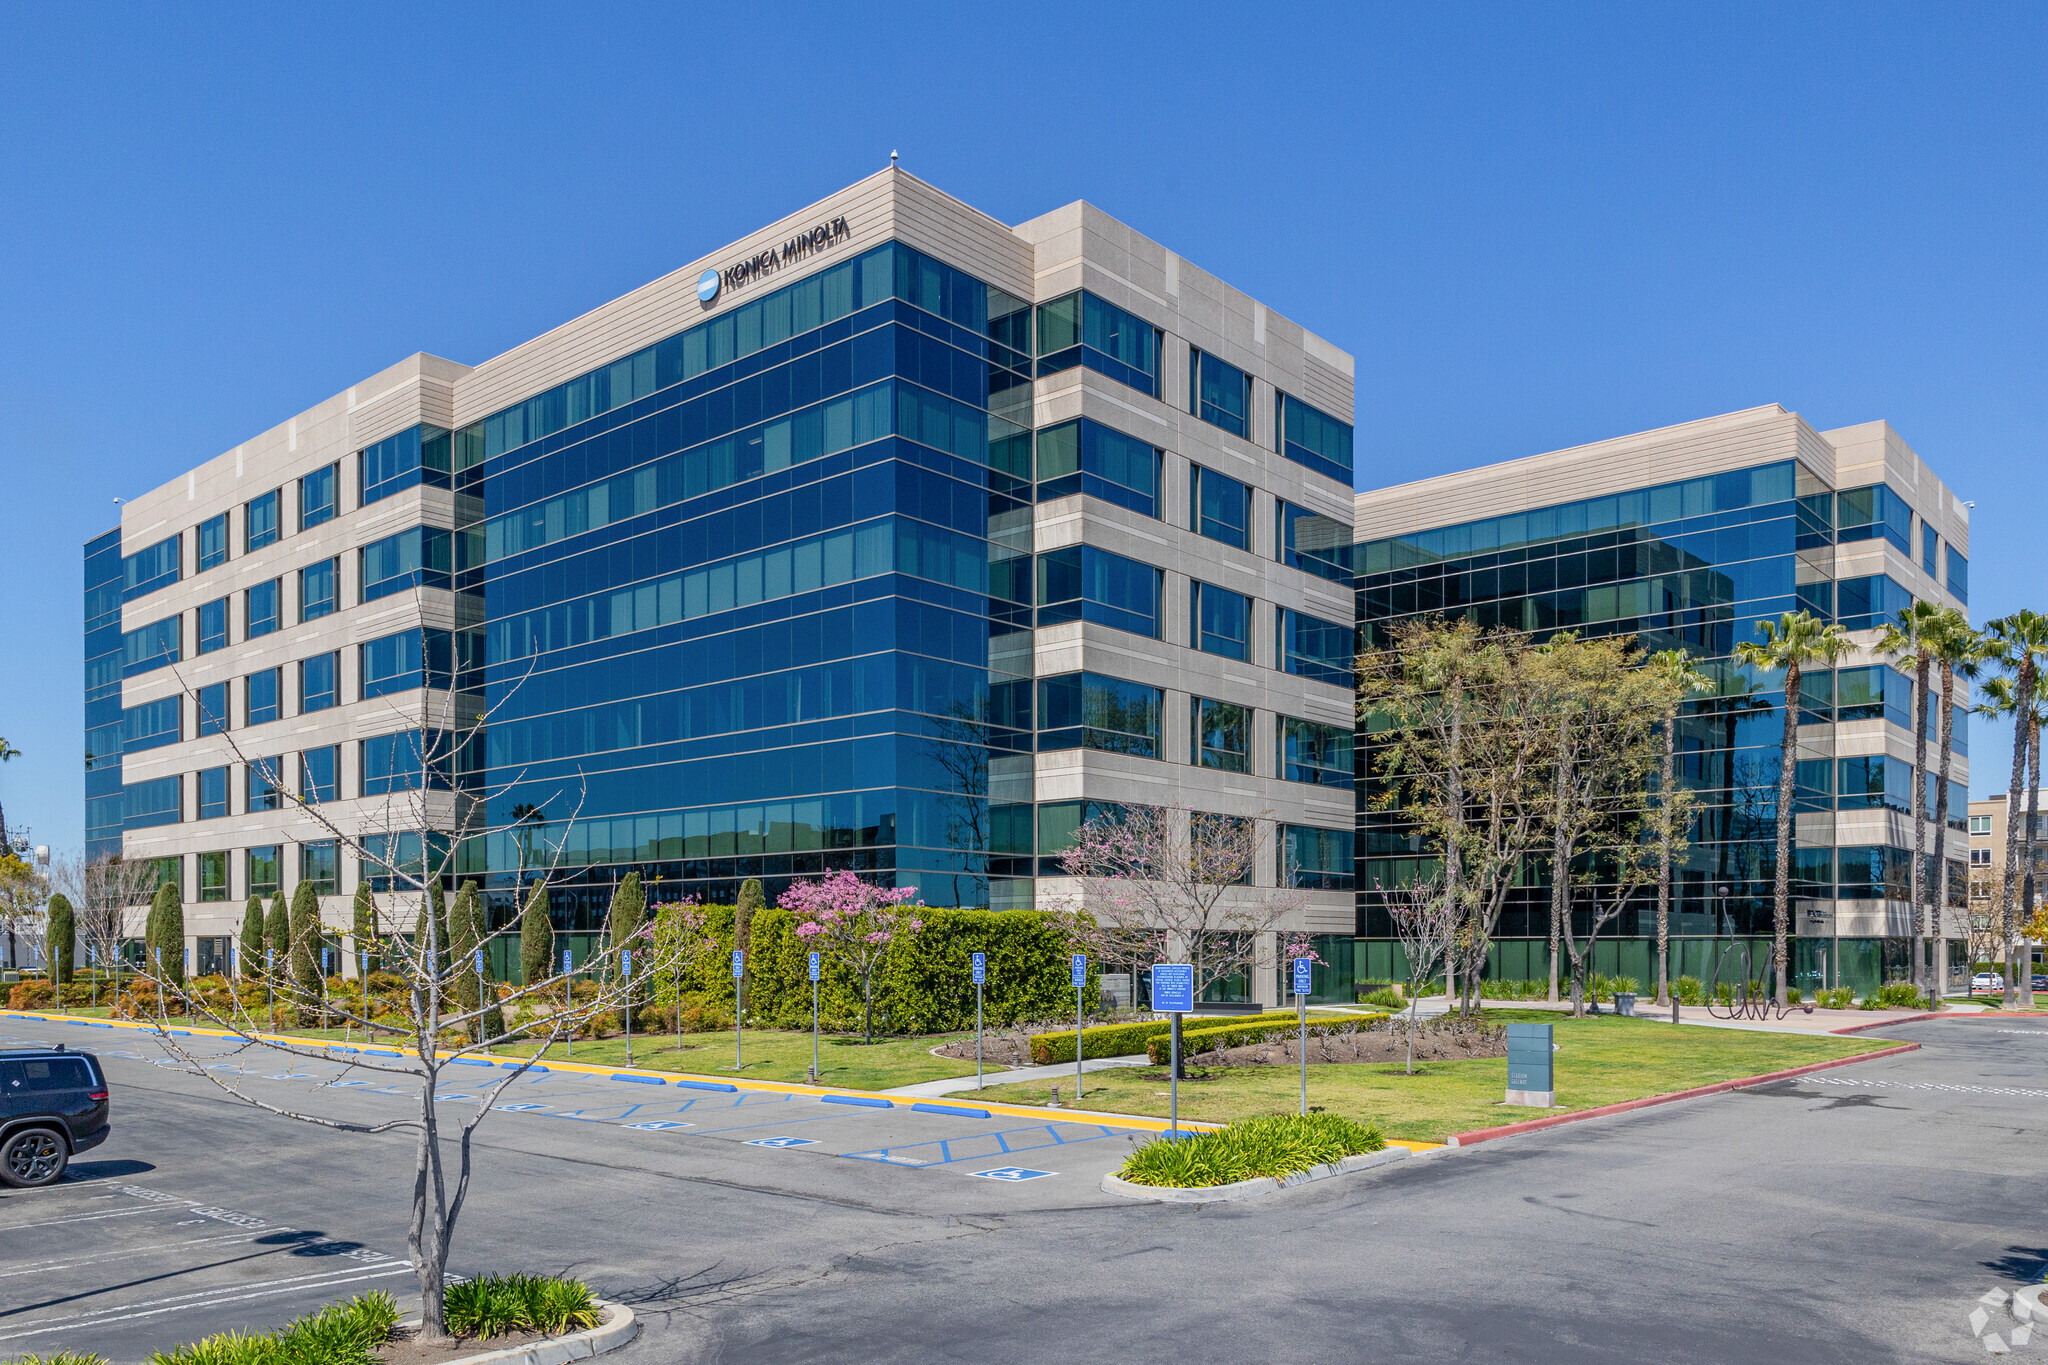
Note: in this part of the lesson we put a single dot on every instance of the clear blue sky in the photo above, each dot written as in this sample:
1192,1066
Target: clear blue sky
1533,225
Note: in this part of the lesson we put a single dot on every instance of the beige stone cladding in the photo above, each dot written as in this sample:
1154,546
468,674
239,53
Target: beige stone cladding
1839,459
332,433
1081,247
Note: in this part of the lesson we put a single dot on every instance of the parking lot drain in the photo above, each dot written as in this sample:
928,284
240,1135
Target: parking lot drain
865,1101
709,1085
954,1110
637,1080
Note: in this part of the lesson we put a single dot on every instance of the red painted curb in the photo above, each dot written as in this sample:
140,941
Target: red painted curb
1900,1019
1478,1135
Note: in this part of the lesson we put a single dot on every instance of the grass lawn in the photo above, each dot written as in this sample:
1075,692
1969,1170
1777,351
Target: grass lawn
1599,1061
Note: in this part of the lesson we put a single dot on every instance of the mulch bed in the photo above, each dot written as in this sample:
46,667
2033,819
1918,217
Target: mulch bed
405,1348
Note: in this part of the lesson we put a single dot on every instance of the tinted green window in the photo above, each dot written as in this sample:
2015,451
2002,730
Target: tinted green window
1083,456
1316,859
420,455
213,874
1091,711
422,557
263,870
1222,735
1313,752
1314,544
320,865
1081,329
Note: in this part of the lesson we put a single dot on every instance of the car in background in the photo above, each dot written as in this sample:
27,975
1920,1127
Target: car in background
2040,982
1987,981
53,1105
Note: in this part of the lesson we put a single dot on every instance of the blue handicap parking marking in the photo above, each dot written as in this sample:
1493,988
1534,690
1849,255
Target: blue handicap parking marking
452,1098
782,1142
982,1146
523,1108
893,1158
659,1125
1012,1173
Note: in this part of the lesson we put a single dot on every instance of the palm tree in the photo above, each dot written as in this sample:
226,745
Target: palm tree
7,751
1955,649
1796,639
1908,640
2018,643
1676,665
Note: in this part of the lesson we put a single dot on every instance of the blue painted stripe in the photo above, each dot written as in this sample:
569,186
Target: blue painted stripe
708,1085
953,1110
864,1101
378,1052
469,1061
639,1080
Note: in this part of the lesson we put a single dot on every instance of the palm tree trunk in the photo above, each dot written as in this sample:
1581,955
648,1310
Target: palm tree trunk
2026,982
2023,699
1560,876
1938,901
1781,888
1920,877
1664,860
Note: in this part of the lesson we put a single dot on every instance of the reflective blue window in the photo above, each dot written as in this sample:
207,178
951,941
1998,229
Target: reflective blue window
150,646
1867,513
259,521
213,625
1314,439
319,774
404,761
1081,329
145,571
265,777
213,709
1082,583
1875,873
417,456
1083,456
1218,392
1870,603
1218,507
152,724
319,589
213,793
1930,550
1314,648
1958,576
422,557
1092,711
1314,544
1316,753
213,542
260,697
408,660
1221,620
156,802
317,498
319,682
1315,859
260,611
1875,692
1874,782
1222,733
402,851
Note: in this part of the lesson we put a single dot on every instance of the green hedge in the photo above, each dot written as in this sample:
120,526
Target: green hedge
1240,1032
1108,1040
925,986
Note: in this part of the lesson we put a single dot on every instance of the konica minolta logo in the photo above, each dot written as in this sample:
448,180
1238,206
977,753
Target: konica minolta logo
765,263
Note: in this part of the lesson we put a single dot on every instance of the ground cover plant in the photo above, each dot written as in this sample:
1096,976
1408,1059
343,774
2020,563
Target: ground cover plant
1278,1145
494,1305
1601,1060
345,1333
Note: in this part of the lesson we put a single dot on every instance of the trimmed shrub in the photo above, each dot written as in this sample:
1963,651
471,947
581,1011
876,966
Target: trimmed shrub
252,937
536,939
1390,996
1241,1032
494,1305
1896,995
1689,990
62,937
1276,1146
1110,1040
165,934
34,994
277,935
305,929
1834,998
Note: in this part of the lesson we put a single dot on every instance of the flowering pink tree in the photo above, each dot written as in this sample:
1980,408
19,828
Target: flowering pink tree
855,922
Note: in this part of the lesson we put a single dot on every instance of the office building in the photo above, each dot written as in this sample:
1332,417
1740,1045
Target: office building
1686,537
889,537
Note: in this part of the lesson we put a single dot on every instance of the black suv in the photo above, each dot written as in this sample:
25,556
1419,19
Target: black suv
53,1103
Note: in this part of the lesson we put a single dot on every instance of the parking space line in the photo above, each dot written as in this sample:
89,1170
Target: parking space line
1007,1141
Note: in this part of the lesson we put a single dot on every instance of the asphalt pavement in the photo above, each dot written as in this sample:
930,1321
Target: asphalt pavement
1857,1215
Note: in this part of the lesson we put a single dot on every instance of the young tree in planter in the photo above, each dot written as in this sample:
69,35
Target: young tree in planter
252,940
1167,884
62,939
1790,643
1427,918
853,922
1677,668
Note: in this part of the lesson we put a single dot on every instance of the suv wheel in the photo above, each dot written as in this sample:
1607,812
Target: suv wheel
32,1157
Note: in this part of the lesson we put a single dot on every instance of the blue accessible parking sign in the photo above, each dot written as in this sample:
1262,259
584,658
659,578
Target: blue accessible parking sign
1012,1173
980,968
1301,966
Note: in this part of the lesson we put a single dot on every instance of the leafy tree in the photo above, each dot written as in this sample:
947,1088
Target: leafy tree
1790,643
536,938
165,934
62,938
855,922
1684,680
23,891
363,930
623,921
304,921
252,937
751,899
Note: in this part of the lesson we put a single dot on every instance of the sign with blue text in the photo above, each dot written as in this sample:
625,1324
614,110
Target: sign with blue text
1173,987
565,962
1301,965
739,963
1080,970
625,962
980,968
814,966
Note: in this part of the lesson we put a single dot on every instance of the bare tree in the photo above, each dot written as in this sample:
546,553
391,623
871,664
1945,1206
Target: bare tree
103,891
1428,920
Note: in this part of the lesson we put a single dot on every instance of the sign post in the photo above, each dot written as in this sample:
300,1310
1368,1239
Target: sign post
1301,982
270,985
1080,980
1529,1079
739,968
981,975
1173,992
324,969
814,1018
569,1002
92,957
625,975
